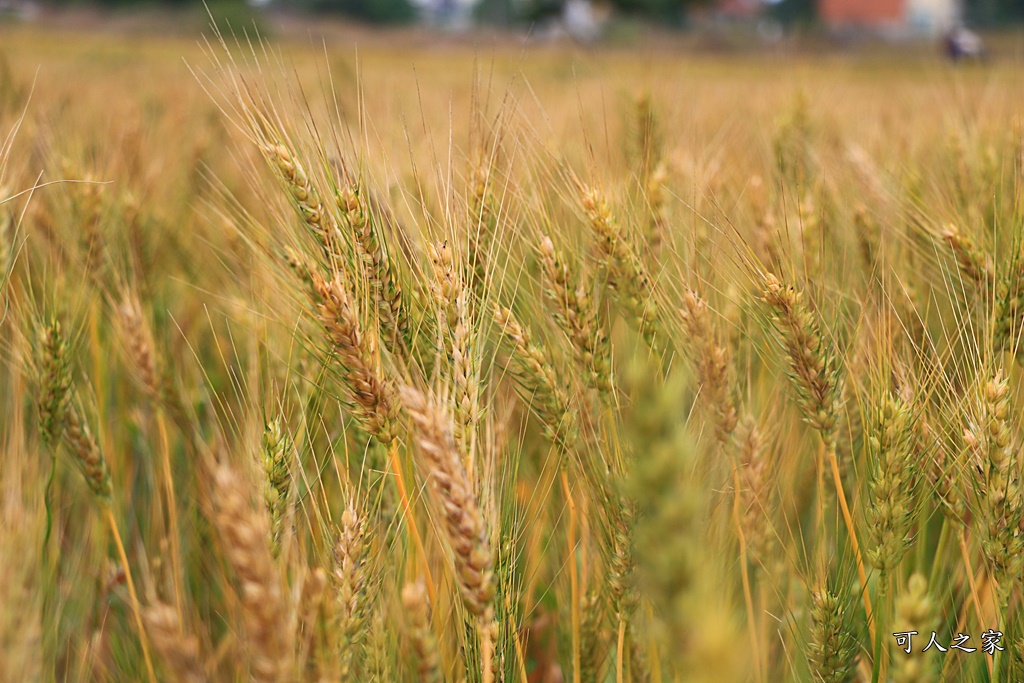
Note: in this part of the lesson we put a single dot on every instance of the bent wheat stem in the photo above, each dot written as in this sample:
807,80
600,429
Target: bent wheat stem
108,514
848,519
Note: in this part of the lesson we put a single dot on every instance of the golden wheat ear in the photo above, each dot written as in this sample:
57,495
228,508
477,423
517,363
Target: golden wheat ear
349,576
371,392
421,633
245,533
464,526
178,650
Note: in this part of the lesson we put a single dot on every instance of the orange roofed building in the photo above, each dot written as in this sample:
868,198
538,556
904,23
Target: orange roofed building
893,16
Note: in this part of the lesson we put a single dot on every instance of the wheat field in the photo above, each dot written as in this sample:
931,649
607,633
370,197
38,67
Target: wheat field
432,361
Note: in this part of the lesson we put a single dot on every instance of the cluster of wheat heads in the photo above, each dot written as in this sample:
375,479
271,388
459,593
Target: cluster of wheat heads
536,415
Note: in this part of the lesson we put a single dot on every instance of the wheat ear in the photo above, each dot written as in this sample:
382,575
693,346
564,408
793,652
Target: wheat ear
371,393
246,536
178,650
464,526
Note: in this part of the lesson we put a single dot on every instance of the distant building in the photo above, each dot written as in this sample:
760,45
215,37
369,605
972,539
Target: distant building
738,9
894,17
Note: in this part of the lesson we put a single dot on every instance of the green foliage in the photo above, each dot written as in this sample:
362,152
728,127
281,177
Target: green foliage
372,11
993,13
794,12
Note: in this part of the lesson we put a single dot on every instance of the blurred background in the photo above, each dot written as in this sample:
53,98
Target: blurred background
957,27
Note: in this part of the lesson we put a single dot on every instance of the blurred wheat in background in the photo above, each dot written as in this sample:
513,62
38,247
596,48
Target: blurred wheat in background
437,365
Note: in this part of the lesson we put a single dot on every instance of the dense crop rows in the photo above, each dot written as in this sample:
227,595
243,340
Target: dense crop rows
442,365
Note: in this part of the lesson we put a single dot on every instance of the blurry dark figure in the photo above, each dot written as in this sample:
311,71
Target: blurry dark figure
963,44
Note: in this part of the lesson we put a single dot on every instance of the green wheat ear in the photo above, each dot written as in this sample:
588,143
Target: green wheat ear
891,498
832,649
275,459
675,570
54,377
